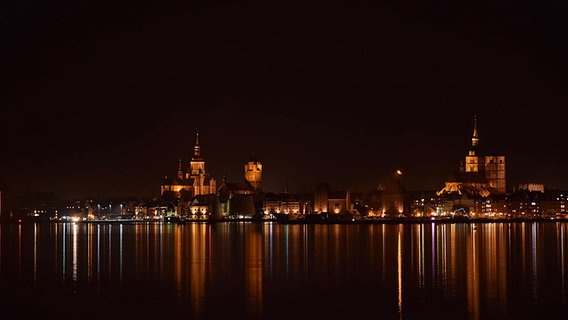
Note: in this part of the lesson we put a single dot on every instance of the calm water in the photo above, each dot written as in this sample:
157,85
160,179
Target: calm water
272,271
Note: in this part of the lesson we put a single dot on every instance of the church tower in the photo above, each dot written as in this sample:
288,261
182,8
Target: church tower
253,173
490,167
197,164
195,181
474,161
495,173
480,175
202,183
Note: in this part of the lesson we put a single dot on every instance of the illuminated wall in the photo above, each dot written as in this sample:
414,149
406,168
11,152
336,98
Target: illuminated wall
253,174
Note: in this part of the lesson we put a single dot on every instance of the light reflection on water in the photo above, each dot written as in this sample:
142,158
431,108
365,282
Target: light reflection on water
268,270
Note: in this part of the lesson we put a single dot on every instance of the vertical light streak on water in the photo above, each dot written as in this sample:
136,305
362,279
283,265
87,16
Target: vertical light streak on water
98,257
197,263
56,251
534,261
562,256
306,267
453,254
523,248
271,243
35,253
19,251
491,262
160,246
472,280
178,256
88,228
337,257
120,254
502,267
444,255
147,235
202,266
399,265
433,249
421,259
194,271
475,275
74,252
287,229
64,250
210,248
253,273
137,248
383,252
109,250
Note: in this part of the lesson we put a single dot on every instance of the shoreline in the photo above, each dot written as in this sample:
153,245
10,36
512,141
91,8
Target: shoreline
303,221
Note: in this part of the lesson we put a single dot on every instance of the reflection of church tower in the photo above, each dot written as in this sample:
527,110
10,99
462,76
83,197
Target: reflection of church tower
253,173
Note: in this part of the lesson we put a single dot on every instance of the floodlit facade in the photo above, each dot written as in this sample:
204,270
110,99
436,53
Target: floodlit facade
480,175
192,182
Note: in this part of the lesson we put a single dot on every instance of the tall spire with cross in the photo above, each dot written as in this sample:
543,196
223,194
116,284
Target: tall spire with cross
474,138
197,148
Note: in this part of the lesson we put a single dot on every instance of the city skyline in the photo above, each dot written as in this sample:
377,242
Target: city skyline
105,102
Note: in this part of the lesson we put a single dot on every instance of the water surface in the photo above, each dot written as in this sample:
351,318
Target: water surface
277,271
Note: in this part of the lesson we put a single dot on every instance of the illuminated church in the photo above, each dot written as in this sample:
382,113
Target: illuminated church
191,182
481,175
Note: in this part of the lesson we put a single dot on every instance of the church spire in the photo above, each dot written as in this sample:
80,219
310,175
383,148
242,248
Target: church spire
197,148
475,138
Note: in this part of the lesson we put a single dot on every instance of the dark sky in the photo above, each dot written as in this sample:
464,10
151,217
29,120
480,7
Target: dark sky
101,98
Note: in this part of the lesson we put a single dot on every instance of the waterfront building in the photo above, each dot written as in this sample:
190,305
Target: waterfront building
243,198
553,203
328,201
393,196
190,182
480,176
202,207
282,203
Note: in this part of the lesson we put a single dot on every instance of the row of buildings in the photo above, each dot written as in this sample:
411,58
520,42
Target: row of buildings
477,188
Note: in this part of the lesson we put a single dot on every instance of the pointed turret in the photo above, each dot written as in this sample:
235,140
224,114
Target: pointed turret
197,148
475,138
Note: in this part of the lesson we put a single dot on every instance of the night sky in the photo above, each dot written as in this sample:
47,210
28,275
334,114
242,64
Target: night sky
102,98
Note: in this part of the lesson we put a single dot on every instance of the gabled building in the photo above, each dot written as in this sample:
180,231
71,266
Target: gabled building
330,201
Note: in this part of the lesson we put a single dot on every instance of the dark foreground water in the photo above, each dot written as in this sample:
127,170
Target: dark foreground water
275,271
